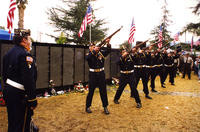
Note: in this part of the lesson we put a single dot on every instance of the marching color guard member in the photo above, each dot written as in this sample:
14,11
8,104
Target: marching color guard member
126,64
96,58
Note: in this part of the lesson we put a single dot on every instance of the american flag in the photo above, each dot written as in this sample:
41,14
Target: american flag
192,43
87,20
176,36
197,42
132,32
10,17
160,38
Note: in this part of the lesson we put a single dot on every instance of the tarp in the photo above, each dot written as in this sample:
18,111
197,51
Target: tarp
4,35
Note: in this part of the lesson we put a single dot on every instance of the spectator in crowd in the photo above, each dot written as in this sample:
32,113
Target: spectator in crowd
187,66
197,65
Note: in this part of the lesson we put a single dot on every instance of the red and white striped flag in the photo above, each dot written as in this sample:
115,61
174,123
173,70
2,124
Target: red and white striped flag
197,42
10,17
132,32
192,43
87,20
160,38
176,36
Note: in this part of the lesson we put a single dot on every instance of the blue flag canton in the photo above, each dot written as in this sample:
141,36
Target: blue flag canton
89,10
160,28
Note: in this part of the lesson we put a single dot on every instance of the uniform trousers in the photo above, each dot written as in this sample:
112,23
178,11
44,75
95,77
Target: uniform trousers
124,80
97,79
142,73
153,73
19,114
170,72
187,70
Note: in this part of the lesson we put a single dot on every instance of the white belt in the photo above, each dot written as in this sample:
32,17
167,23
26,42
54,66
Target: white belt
150,66
127,72
139,66
158,65
15,84
169,65
96,70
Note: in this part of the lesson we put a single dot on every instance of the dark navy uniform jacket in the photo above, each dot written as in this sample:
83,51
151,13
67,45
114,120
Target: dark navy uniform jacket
159,59
140,59
148,58
19,66
153,60
169,60
126,64
96,60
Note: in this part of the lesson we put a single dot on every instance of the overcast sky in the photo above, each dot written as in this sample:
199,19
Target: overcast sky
147,14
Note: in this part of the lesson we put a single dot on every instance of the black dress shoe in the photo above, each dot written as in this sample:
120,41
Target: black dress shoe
116,101
172,84
153,90
139,105
88,110
148,97
106,111
163,86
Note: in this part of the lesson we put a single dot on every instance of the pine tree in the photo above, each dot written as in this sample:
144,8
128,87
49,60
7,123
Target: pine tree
165,22
193,27
69,22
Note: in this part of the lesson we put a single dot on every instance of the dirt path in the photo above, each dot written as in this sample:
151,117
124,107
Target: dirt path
175,108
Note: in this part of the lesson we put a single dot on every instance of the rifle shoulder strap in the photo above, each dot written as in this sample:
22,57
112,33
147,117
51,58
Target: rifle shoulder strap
102,55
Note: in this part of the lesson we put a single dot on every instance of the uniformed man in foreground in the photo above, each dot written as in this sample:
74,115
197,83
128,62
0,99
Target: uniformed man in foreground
140,72
96,58
126,64
19,76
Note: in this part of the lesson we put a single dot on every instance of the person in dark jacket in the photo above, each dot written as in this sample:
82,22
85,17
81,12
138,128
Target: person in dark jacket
96,58
141,72
126,64
19,76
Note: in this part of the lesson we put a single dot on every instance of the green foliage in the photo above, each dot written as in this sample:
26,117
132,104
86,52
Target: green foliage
193,27
187,47
69,22
126,45
2,27
197,9
62,39
22,1
165,22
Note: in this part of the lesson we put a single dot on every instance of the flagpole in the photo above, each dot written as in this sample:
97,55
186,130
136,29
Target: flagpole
90,27
90,34
10,36
185,36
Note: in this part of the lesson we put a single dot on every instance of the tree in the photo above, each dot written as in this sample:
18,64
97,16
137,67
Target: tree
69,22
126,45
62,39
197,9
165,22
193,27
21,5
2,27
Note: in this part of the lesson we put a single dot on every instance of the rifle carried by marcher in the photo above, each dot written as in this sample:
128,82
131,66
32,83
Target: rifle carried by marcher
104,42
150,45
128,51
138,45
